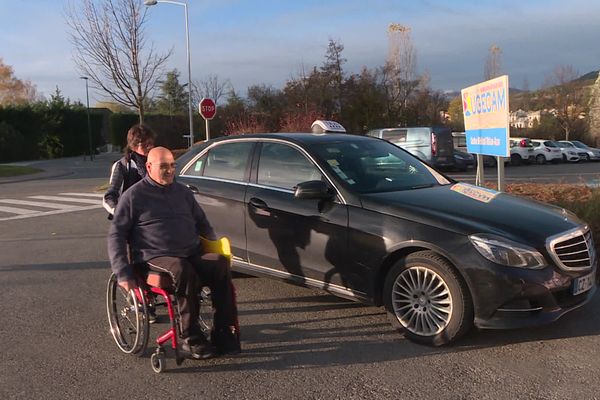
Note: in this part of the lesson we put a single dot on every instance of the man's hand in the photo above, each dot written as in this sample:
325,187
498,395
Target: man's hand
128,284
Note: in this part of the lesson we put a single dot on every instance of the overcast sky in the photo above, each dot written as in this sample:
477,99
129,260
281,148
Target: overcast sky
267,41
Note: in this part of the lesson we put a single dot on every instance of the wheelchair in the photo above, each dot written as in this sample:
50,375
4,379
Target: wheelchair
128,311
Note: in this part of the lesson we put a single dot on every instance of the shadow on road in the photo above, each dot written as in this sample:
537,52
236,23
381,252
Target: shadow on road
336,332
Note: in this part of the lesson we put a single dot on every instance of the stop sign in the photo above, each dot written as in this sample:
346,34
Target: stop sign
208,108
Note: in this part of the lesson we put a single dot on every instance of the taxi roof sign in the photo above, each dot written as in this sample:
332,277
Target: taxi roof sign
323,126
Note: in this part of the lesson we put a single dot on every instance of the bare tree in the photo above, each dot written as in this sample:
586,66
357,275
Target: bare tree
566,96
399,73
211,87
493,63
111,49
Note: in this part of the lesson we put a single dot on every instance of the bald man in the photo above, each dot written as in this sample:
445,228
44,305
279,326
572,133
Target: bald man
161,222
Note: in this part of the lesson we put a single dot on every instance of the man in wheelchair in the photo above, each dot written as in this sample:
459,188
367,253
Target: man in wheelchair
162,223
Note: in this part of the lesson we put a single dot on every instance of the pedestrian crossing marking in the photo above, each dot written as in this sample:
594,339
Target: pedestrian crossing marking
37,204
14,210
67,199
58,204
99,195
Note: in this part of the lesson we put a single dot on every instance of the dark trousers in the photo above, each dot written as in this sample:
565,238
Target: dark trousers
189,276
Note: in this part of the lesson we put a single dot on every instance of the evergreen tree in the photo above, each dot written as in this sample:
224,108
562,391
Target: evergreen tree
173,98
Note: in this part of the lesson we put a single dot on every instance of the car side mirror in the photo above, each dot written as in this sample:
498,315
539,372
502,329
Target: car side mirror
313,190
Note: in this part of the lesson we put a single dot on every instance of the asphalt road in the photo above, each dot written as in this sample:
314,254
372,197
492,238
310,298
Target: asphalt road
297,343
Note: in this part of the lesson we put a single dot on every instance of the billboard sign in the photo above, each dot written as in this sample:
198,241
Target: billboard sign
486,113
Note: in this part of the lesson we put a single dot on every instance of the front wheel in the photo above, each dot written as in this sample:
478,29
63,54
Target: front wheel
540,159
158,362
427,300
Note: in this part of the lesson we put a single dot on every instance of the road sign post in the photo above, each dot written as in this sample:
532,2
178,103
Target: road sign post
208,110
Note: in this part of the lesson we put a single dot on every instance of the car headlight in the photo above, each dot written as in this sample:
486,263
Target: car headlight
506,252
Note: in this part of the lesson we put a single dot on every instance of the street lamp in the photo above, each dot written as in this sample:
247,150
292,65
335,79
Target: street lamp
87,96
187,44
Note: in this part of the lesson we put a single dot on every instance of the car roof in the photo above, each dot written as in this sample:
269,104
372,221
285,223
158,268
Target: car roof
301,138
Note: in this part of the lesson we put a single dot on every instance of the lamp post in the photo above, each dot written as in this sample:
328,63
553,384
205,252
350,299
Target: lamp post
187,44
87,96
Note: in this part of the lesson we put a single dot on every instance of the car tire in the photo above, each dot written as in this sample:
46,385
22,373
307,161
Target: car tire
515,159
540,159
587,158
427,300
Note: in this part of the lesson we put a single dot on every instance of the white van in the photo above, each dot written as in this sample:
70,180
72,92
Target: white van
431,144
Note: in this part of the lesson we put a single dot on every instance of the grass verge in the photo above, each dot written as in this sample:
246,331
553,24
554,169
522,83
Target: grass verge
15,170
581,200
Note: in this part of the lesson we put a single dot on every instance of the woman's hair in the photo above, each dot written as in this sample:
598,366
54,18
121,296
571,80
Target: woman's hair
139,134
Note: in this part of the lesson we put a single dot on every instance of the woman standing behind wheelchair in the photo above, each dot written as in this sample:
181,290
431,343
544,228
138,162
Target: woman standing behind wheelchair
131,168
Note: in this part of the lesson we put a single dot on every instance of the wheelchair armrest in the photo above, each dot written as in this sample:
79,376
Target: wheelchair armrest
219,246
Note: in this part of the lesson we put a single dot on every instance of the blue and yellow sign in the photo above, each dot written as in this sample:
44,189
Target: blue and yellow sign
485,109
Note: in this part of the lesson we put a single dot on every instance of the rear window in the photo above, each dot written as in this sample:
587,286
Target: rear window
395,135
549,143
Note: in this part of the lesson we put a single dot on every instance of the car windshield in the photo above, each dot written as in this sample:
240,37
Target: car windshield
376,166
579,144
566,144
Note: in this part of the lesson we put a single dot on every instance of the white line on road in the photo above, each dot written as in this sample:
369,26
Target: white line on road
20,211
42,214
99,195
38,204
67,199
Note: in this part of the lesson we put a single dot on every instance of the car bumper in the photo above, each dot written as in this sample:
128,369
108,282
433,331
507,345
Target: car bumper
508,297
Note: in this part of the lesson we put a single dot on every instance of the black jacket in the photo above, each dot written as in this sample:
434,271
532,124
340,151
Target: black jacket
124,173
155,221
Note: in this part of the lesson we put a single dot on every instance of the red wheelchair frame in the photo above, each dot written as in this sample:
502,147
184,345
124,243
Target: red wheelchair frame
129,323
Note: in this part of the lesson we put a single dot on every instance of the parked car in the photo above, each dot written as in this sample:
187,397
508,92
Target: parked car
460,143
521,151
586,152
569,153
366,220
463,160
546,150
431,144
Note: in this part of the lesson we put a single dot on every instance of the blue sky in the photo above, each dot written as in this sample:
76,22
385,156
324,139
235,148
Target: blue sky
267,41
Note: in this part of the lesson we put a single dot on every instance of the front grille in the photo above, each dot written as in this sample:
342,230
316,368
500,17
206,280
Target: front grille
573,250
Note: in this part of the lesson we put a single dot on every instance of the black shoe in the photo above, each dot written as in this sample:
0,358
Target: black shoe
199,349
152,316
227,341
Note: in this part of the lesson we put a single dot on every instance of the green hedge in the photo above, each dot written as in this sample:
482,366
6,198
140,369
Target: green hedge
41,130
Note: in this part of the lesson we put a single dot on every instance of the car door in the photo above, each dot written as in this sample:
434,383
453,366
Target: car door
297,239
219,179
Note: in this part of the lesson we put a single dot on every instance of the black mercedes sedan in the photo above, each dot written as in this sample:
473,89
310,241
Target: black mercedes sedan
365,220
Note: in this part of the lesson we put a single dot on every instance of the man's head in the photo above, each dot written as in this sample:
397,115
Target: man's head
161,165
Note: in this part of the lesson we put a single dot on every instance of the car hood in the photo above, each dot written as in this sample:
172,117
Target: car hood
469,209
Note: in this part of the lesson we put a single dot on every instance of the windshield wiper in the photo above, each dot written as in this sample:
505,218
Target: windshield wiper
425,185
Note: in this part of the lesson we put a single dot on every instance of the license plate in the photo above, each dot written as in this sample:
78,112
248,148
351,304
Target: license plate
583,284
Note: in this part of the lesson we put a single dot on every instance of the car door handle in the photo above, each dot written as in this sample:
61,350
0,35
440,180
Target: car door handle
193,188
260,207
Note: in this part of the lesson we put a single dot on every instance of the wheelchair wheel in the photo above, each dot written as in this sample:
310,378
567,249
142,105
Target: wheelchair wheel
206,312
158,361
128,317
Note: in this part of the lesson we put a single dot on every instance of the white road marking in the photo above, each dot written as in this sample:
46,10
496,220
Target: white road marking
67,199
20,211
38,204
57,204
43,214
99,195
